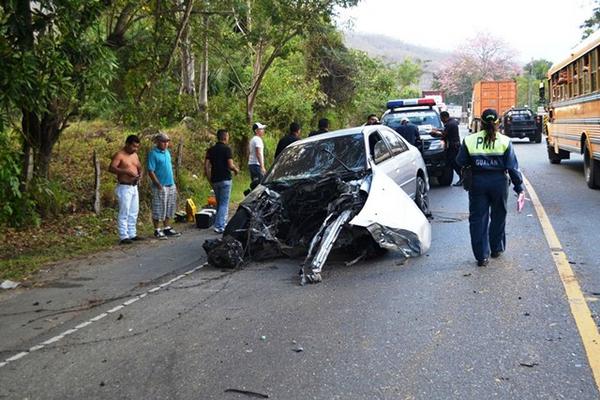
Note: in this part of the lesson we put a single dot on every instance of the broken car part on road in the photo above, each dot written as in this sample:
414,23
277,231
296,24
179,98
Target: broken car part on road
330,197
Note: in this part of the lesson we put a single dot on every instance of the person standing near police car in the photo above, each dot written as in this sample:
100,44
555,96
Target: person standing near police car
490,156
451,135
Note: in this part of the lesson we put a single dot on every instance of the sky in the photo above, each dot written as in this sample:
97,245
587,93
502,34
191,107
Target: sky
536,29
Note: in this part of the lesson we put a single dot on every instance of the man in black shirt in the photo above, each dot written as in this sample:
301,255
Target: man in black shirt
288,139
218,166
323,127
452,137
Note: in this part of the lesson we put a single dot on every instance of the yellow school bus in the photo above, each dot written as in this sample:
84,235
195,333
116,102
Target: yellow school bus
574,108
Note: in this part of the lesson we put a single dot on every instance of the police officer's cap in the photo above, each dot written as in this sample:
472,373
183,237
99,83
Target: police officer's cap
489,115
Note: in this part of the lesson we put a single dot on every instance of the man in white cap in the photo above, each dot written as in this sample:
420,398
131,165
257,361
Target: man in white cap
256,159
408,131
164,192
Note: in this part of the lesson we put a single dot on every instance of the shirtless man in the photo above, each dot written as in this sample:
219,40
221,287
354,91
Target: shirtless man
126,165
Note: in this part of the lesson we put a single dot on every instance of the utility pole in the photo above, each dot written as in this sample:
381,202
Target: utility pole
529,100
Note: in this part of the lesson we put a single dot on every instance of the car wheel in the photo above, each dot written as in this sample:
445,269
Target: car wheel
445,179
591,169
538,138
422,196
552,156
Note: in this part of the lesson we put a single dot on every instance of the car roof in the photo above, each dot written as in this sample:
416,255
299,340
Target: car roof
366,129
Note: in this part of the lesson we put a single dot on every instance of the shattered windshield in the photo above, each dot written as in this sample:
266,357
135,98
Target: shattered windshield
312,159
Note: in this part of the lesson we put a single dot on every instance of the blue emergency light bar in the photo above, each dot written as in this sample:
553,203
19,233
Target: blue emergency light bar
409,103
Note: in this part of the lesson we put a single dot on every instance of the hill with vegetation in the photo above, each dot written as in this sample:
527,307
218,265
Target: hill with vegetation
396,51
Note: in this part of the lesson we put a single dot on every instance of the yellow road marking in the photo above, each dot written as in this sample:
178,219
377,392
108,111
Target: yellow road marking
579,308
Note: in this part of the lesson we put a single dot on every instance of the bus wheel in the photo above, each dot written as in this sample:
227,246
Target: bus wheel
591,169
552,156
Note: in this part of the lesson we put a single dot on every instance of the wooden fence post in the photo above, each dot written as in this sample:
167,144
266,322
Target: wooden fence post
179,161
96,162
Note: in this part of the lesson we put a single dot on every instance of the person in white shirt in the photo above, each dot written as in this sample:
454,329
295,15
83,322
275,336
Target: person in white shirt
256,159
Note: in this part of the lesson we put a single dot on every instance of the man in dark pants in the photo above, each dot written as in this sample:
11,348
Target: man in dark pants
409,131
323,127
288,139
452,137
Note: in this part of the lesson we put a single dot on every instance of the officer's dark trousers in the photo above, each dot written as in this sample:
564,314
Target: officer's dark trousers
451,154
487,213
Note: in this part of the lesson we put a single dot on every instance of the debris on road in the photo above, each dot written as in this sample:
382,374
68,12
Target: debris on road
263,337
298,349
226,252
8,284
528,364
248,393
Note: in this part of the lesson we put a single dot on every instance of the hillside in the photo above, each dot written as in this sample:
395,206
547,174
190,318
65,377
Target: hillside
395,50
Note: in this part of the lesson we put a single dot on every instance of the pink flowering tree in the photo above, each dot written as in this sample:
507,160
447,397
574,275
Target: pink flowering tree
482,57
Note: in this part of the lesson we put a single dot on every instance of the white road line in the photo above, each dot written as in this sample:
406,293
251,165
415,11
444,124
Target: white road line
128,302
117,308
17,356
51,340
97,317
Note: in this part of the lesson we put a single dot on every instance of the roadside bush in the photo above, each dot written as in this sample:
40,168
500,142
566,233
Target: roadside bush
16,208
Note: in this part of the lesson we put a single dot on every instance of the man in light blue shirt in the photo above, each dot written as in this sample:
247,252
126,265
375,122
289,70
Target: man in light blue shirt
164,191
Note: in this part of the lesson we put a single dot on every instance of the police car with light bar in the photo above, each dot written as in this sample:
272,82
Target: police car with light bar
424,114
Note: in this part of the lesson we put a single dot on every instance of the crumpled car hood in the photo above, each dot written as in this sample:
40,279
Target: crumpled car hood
361,213
392,217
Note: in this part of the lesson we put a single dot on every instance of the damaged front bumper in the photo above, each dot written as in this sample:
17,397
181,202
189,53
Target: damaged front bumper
359,213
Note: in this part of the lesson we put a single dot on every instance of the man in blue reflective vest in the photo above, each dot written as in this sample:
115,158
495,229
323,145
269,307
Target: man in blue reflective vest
491,156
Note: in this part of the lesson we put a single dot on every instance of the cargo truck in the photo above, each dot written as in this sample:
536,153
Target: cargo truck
499,95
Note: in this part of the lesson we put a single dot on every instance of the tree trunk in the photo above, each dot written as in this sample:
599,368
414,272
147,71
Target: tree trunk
97,196
255,83
188,67
41,135
203,87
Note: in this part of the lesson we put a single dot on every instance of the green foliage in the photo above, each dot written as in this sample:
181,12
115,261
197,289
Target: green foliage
591,24
528,84
287,94
377,82
528,91
538,69
16,208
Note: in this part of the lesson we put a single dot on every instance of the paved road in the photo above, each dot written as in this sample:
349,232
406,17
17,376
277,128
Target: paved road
435,327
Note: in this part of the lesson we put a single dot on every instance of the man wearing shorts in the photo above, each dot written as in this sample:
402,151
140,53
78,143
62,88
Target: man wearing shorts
164,192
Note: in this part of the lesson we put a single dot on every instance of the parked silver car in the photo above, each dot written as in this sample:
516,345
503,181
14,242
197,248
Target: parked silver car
362,189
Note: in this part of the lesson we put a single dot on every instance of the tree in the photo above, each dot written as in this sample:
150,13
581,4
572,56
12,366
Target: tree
591,24
483,57
538,69
263,28
52,60
534,72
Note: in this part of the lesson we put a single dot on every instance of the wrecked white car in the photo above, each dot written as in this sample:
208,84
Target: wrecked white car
361,189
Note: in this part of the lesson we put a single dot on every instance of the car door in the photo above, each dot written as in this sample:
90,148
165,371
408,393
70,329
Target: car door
404,163
381,154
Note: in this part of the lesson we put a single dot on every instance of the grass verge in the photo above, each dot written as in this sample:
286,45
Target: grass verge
23,252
